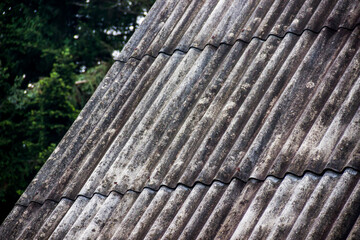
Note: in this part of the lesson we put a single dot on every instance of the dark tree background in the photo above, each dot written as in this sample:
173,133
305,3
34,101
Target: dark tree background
53,54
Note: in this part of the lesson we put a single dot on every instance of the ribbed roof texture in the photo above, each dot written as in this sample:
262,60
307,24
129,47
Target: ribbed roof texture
293,208
221,119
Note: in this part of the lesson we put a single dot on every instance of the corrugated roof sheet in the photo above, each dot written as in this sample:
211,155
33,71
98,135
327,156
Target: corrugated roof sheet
227,119
291,208
247,111
179,25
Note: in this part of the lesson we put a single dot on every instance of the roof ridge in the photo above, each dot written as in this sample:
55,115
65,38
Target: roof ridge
326,170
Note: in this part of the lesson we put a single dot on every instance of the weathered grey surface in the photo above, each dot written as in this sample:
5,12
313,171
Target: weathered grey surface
179,25
257,137
247,111
311,207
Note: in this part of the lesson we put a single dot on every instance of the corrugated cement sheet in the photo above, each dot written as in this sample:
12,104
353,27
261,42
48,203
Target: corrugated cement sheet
209,95
247,111
179,25
310,207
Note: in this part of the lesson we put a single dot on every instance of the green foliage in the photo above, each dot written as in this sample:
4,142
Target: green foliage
36,119
87,82
52,111
53,54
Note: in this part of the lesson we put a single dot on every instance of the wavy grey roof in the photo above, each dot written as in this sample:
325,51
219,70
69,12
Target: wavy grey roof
179,25
227,119
245,111
292,208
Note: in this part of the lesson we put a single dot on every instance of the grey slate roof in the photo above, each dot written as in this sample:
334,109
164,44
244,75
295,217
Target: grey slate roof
220,119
